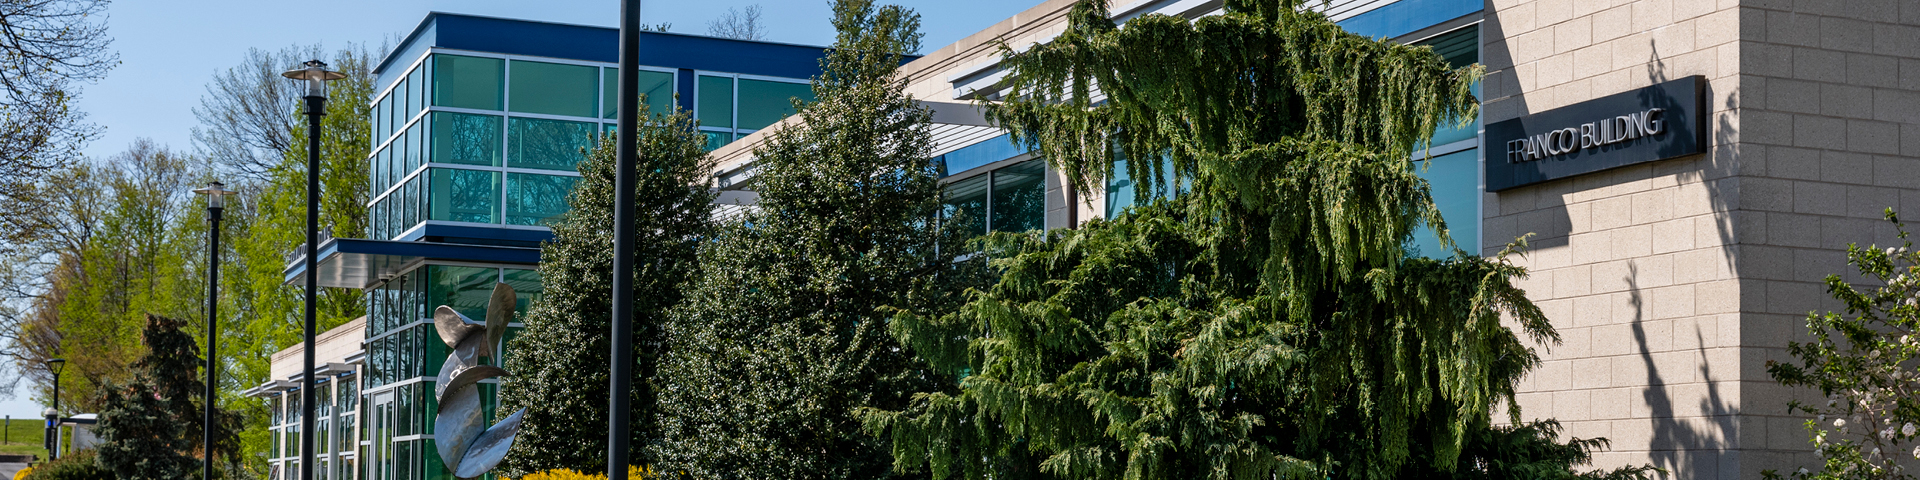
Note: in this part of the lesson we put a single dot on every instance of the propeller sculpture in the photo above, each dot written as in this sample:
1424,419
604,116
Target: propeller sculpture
466,444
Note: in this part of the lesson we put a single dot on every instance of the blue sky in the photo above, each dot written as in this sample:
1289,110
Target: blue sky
169,49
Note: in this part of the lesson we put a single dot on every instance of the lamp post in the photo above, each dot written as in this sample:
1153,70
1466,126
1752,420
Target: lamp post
53,412
316,77
216,202
627,154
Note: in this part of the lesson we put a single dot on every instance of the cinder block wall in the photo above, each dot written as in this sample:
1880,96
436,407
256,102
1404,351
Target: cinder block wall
1674,282
1635,266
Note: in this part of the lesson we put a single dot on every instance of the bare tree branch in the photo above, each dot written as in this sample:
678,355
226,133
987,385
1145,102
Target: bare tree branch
739,25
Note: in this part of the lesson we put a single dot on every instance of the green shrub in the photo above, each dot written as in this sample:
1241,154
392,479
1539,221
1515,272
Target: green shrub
74,466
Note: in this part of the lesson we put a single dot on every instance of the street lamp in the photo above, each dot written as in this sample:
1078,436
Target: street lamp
216,202
53,413
316,76
626,156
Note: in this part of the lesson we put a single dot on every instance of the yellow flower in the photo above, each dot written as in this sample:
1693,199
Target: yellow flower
636,472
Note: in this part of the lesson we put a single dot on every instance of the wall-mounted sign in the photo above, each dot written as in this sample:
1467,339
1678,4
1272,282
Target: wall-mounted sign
1654,123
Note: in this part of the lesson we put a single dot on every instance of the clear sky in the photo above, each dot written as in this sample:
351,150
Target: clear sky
170,49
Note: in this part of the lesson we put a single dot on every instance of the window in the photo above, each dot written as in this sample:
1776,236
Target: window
1019,197
966,204
466,289
553,89
416,93
1454,180
526,288
715,140
464,195
656,90
1453,177
1123,191
549,144
764,102
466,139
467,82
715,106
536,199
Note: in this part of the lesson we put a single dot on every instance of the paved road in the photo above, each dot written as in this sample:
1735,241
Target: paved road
8,469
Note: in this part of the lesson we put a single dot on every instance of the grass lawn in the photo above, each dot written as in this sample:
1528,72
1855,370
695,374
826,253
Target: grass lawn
23,437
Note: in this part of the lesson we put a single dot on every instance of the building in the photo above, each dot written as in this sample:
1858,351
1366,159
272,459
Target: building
1733,149
477,125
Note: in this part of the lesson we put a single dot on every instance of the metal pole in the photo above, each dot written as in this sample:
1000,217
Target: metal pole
213,339
316,107
53,422
619,376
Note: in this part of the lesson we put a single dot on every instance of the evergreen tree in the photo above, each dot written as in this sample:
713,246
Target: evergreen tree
782,336
150,427
1268,323
560,360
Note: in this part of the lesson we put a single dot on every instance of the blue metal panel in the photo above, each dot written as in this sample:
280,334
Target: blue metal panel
980,154
1407,16
683,85
395,64
600,44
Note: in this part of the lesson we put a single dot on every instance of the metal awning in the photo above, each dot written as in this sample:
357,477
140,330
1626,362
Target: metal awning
360,263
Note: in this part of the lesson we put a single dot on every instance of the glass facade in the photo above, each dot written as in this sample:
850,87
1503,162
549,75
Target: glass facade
475,139
1453,174
732,106
1011,198
404,354
336,435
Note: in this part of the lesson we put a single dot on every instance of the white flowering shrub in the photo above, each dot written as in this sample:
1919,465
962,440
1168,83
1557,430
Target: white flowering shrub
1864,361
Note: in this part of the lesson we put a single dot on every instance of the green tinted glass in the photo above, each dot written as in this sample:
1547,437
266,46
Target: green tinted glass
536,199
416,91
464,195
466,289
763,102
467,82
656,89
1020,197
526,289
715,102
553,89
466,139
549,144
966,204
715,140
1455,182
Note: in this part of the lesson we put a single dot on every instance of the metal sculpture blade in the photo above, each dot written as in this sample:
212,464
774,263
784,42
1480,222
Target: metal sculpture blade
499,312
458,424
490,448
454,327
468,376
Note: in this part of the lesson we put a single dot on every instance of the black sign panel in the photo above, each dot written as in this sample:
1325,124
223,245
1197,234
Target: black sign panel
1654,123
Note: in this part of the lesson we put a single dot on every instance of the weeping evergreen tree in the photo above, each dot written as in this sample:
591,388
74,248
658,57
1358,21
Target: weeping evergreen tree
560,360
1267,324
783,337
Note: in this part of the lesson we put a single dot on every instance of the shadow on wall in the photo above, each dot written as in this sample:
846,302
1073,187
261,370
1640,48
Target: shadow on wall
1692,440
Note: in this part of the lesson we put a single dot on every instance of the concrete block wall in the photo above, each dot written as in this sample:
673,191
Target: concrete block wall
1635,266
1674,282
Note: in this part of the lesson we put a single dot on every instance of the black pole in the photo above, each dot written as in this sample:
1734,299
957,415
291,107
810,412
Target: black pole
53,421
213,322
316,107
619,376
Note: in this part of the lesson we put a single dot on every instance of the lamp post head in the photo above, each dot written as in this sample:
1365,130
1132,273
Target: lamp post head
316,75
49,413
216,193
57,365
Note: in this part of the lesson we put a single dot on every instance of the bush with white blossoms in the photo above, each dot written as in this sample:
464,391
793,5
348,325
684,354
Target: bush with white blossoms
1864,361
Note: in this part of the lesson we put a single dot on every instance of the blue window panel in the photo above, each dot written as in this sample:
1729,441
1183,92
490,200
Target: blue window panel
1455,182
1406,16
980,154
